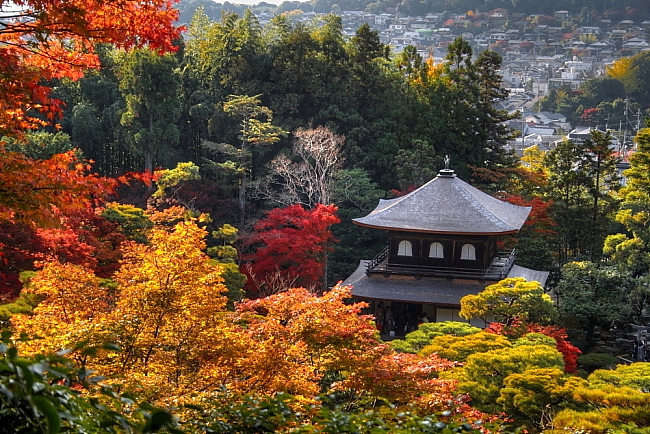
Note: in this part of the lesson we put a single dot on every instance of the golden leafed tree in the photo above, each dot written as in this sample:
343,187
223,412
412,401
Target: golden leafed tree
626,72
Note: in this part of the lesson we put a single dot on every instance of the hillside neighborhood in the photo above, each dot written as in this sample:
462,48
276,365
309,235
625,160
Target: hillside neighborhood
540,54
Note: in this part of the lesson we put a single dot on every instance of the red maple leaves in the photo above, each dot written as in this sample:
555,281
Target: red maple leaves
291,242
52,39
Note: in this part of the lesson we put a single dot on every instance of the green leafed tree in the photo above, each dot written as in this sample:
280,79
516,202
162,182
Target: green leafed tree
458,115
132,221
535,396
170,180
582,182
418,165
484,375
426,332
509,300
223,251
631,250
459,348
592,295
150,85
48,394
256,129
39,145
600,166
227,56
610,401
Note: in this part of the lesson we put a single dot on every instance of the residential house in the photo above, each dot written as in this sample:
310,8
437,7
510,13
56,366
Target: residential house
481,40
561,15
541,130
580,134
589,30
547,118
637,45
497,36
571,79
382,20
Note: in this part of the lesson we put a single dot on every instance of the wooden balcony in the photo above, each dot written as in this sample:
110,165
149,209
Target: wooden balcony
498,269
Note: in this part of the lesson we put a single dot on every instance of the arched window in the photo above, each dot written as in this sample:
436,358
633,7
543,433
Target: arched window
435,250
405,248
468,252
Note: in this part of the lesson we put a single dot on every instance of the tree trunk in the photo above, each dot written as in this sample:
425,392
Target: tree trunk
242,199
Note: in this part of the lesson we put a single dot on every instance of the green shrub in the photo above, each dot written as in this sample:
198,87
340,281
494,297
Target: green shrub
592,361
413,342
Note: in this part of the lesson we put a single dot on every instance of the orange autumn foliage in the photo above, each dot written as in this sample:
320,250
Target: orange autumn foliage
179,344
166,308
72,300
38,192
52,39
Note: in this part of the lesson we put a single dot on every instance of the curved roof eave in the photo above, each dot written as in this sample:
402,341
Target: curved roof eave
447,204
425,231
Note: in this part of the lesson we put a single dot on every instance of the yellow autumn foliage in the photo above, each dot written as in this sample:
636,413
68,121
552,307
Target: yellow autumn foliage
180,345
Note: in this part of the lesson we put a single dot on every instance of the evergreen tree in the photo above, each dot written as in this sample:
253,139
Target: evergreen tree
150,85
631,250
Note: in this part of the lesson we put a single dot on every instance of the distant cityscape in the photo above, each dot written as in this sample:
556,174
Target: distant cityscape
540,53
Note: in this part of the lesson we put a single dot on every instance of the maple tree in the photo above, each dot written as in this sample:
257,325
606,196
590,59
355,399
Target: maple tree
166,317
46,40
103,238
306,344
83,237
539,222
72,300
533,247
168,298
292,241
43,41
37,191
180,345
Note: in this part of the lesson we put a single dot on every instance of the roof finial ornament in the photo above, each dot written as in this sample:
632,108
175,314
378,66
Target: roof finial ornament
446,172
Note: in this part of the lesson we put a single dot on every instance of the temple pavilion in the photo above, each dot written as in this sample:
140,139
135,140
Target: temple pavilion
443,244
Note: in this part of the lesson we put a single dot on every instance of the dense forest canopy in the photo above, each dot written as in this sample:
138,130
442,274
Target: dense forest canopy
163,197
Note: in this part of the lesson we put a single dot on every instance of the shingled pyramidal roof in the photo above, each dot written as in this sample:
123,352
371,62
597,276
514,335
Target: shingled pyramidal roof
447,204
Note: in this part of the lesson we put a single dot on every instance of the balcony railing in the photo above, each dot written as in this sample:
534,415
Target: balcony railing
498,269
